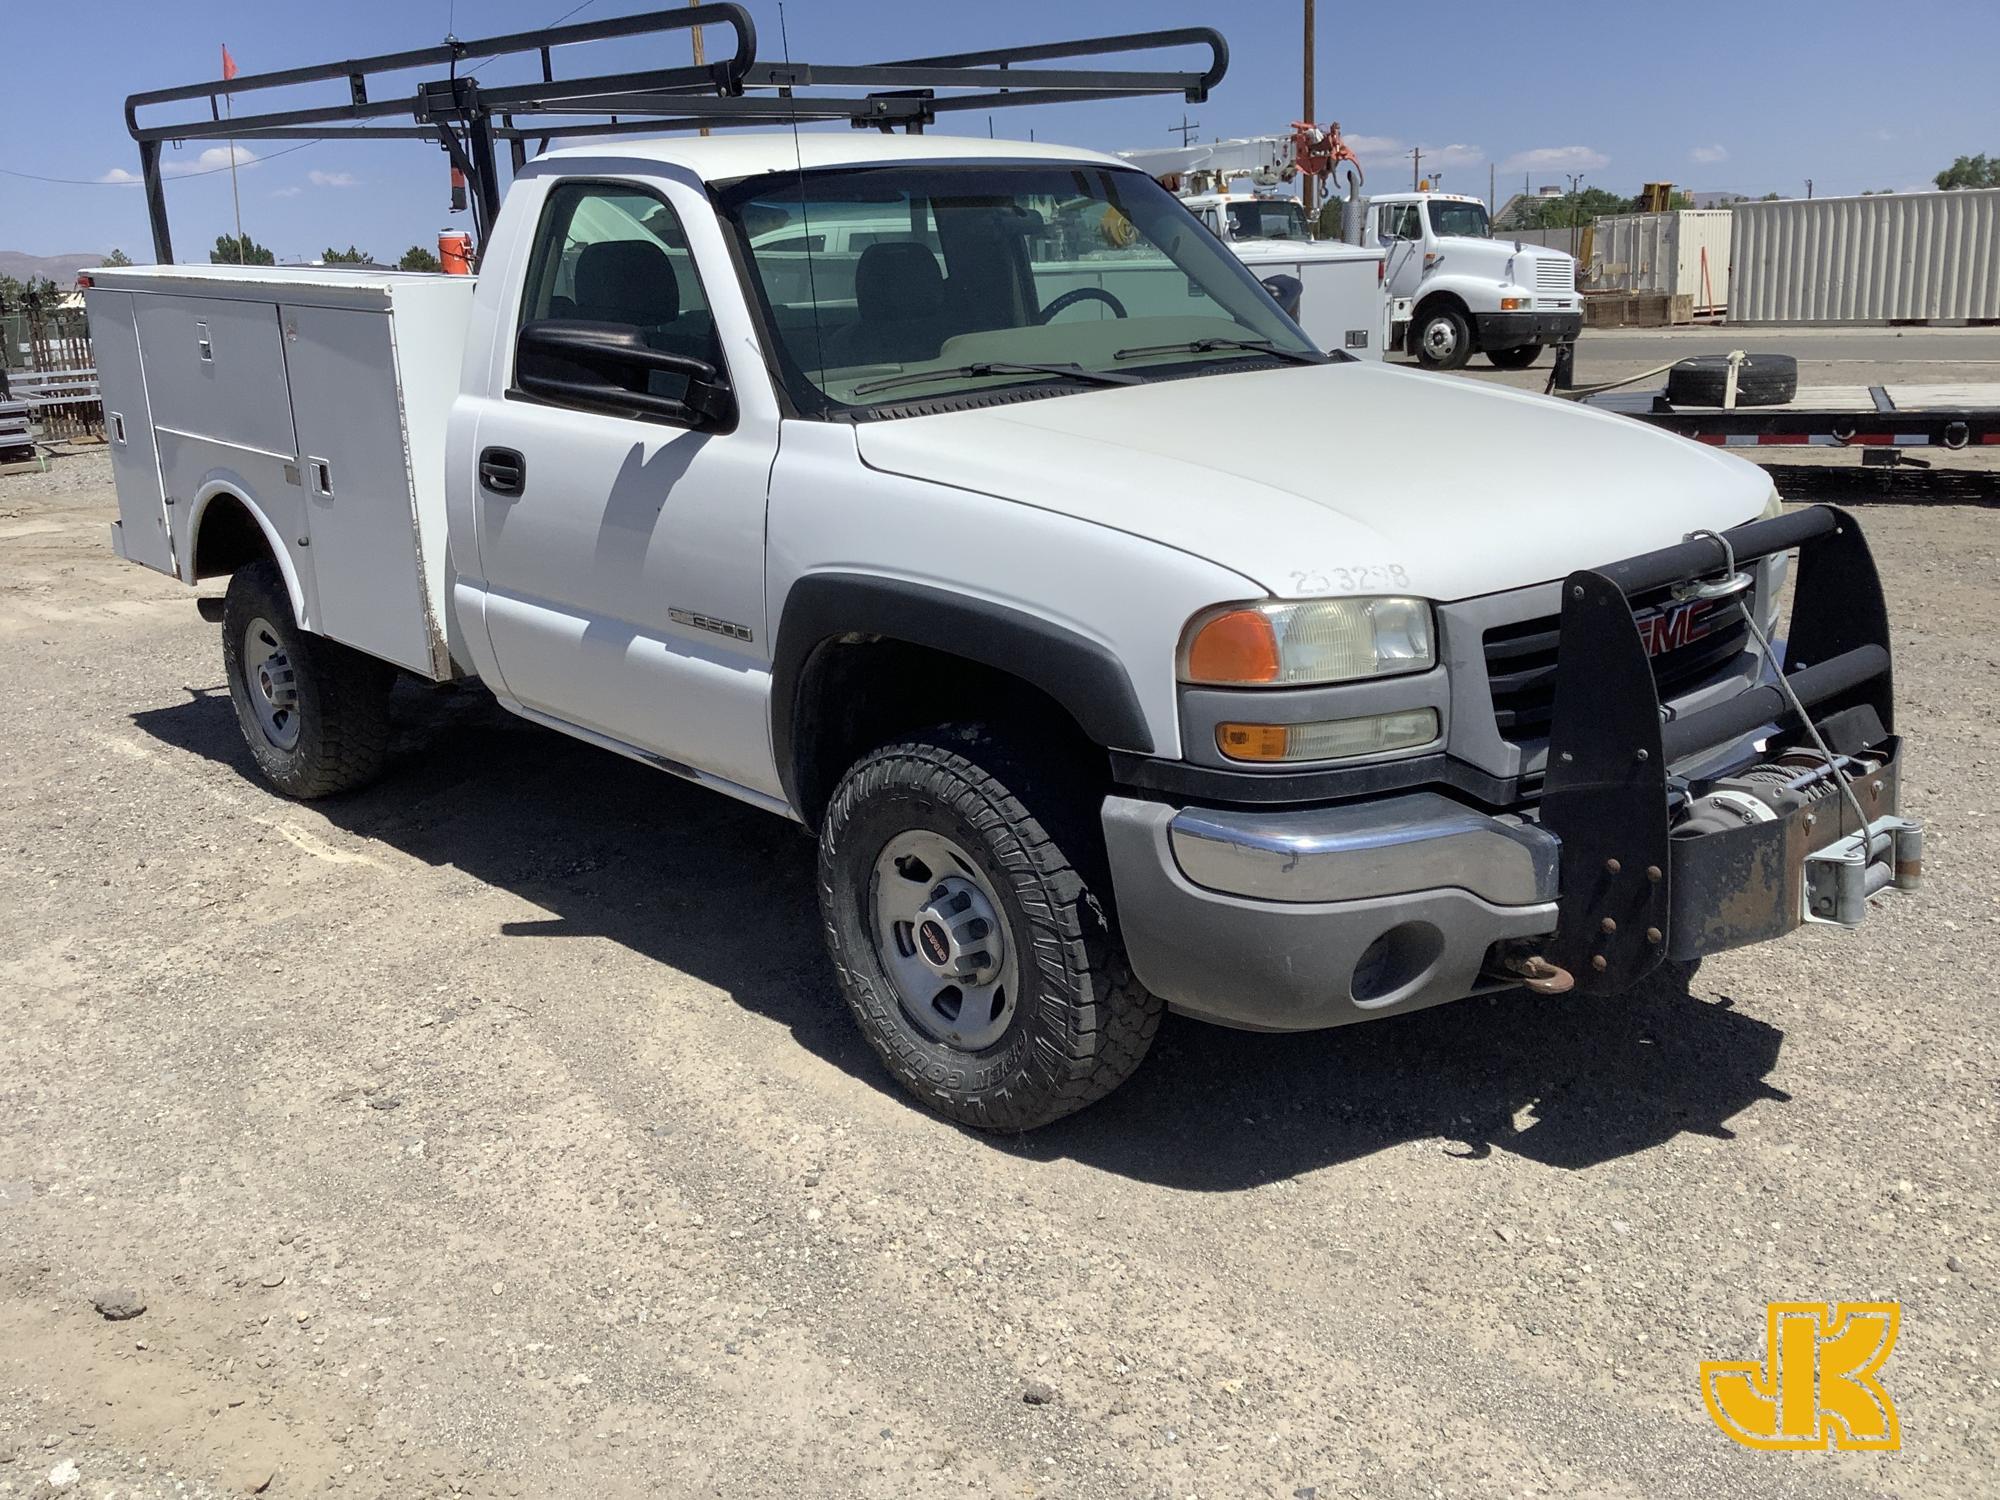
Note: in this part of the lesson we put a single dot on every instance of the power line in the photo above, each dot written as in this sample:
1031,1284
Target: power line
273,156
550,26
134,182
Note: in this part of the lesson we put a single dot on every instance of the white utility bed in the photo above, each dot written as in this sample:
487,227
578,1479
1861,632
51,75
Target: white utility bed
320,397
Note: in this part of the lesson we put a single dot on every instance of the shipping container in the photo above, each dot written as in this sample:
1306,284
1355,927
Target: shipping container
1892,257
1682,253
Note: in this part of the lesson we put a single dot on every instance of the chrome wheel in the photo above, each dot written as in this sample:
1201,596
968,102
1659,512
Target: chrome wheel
272,683
942,940
1440,339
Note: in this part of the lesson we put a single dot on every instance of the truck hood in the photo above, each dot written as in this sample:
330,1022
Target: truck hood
1347,478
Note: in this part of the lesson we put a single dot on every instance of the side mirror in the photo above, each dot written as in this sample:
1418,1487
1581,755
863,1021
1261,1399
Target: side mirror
1288,292
604,366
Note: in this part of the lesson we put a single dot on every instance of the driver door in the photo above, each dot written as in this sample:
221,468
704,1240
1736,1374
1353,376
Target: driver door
624,555
1403,239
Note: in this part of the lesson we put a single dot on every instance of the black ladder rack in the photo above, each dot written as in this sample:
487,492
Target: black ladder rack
468,118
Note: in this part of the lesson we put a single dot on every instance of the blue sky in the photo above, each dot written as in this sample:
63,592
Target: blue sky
1751,96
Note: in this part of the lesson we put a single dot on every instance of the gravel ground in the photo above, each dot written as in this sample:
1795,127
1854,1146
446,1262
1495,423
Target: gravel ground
499,1131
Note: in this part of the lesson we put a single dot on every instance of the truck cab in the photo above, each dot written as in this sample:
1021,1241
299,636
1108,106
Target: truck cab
1469,292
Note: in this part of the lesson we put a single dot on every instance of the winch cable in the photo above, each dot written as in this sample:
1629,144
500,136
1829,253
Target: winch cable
1784,685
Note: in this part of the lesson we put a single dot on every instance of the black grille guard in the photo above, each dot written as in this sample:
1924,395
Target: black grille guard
1612,747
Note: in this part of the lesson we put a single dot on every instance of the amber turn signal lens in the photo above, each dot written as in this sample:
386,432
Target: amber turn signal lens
1237,647
1328,739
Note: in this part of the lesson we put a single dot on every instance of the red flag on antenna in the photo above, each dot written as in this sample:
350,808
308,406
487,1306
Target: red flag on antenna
228,63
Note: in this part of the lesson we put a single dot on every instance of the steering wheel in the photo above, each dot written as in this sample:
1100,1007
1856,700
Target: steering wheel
1084,294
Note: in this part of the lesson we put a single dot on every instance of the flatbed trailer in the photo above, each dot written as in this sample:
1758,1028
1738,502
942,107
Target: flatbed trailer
1870,417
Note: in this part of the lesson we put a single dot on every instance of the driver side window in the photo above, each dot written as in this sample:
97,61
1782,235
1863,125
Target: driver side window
1400,222
615,253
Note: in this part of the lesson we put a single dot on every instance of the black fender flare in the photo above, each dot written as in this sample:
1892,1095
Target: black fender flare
1081,675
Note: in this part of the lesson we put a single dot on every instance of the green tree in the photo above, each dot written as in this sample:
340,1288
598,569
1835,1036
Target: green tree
417,258
230,251
1980,171
117,258
1571,209
348,257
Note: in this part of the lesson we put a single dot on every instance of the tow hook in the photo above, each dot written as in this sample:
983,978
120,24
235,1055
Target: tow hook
1538,974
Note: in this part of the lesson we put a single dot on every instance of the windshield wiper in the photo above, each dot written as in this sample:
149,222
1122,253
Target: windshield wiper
1000,367
1209,346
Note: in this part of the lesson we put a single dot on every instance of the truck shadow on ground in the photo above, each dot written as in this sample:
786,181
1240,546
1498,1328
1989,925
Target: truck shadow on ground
720,891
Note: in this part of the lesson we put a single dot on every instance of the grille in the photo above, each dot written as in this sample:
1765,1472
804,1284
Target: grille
1552,275
1521,664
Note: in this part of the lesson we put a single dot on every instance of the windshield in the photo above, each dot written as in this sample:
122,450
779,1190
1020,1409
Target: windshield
1467,219
1266,220
890,285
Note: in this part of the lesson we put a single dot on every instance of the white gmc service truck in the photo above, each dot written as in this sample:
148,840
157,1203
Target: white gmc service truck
1091,711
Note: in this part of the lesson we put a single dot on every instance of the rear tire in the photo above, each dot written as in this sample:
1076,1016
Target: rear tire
314,713
1518,358
1026,1010
1441,339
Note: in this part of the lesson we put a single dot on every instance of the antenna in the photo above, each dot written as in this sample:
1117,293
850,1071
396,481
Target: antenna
805,208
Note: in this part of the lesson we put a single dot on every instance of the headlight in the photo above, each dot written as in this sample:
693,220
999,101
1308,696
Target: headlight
1280,644
1774,568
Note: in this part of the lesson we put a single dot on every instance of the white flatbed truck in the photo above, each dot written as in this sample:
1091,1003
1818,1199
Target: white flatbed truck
1090,714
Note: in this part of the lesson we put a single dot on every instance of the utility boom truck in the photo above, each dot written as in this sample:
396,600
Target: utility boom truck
929,545
1466,291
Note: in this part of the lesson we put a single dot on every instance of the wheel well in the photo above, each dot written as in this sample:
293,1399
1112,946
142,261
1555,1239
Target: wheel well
857,693
229,538
1436,299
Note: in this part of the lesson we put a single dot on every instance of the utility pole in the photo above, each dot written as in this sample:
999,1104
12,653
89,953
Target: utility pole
1416,168
1575,209
1490,180
701,52
1308,190
1808,190
1185,130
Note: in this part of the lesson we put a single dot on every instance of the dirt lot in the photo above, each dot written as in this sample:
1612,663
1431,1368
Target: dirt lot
499,1130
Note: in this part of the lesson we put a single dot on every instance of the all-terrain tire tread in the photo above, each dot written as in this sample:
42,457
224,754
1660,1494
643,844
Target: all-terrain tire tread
1109,1018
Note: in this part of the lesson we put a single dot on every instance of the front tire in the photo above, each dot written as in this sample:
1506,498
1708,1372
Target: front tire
1443,339
963,902
1518,358
314,713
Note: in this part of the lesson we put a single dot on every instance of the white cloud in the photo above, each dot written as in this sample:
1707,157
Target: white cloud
1457,155
119,174
288,192
214,159
1366,146
1556,159
333,179
1708,155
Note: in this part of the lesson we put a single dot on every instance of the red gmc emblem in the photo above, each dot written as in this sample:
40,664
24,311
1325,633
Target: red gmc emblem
1675,625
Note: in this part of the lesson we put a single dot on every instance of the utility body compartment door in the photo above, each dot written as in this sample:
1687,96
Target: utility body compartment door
354,466
143,535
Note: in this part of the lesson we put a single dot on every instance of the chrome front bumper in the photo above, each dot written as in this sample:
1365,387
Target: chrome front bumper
1292,921
1389,848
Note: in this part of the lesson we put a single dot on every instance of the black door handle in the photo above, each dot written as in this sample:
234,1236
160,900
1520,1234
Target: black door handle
503,471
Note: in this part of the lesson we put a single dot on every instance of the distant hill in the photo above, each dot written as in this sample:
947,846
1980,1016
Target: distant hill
60,269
